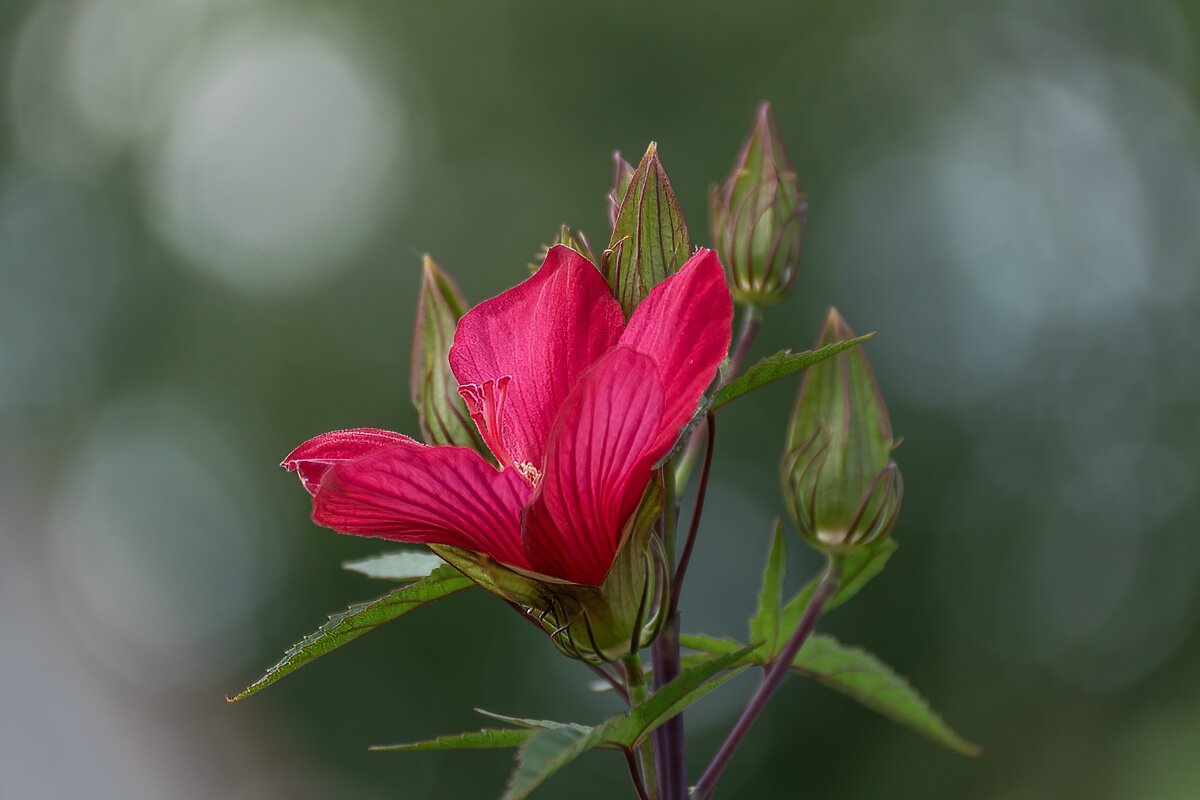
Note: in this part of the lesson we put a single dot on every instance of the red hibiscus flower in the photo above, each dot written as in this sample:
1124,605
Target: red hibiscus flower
576,406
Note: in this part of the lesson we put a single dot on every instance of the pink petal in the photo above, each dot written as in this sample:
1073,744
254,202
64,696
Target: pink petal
685,325
597,466
311,459
433,495
543,334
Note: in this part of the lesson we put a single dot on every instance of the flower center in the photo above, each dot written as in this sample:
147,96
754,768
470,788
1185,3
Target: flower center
486,405
528,471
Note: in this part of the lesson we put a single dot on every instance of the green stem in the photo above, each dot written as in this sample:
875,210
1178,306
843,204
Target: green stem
635,681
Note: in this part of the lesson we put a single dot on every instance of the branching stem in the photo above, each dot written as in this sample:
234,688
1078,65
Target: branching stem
774,676
635,773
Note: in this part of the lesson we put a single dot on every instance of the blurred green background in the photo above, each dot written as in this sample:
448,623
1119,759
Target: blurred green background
211,215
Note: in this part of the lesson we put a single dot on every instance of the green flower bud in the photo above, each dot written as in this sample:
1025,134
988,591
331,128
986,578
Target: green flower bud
842,486
649,241
757,217
443,415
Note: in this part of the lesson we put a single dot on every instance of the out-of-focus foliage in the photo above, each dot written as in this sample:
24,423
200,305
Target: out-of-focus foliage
211,221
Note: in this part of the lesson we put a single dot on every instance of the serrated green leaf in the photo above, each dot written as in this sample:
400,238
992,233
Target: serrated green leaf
399,565
764,625
862,676
545,754
773,368
525,722
358,619
486,739
858,569
690,685
649,239
855,673
551,750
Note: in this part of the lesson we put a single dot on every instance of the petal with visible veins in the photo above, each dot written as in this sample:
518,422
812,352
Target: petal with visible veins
311,459
685,325
543,334
430,495
598,462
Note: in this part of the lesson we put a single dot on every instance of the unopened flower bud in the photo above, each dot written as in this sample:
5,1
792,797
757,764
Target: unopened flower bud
649,241
757,216
443,416
842,486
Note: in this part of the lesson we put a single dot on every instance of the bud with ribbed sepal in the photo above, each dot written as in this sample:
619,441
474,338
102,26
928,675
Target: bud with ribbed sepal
757,217
842,486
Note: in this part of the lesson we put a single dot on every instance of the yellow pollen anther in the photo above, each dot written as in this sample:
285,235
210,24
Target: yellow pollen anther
528,471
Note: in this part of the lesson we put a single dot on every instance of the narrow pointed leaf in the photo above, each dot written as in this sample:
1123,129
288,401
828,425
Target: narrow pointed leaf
533,724
671,699
855,673
649,239
358,619
551,750
858,570
545,754
719,646
773,368
399,565
764,625
486,739
877,686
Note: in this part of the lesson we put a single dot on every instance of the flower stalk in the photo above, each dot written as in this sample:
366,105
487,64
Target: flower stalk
635,682
669,741
778,669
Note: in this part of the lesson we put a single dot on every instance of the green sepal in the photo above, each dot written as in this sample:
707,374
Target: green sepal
649,239
434,389
358,619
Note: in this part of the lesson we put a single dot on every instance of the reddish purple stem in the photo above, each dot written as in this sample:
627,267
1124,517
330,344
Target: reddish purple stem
775,674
